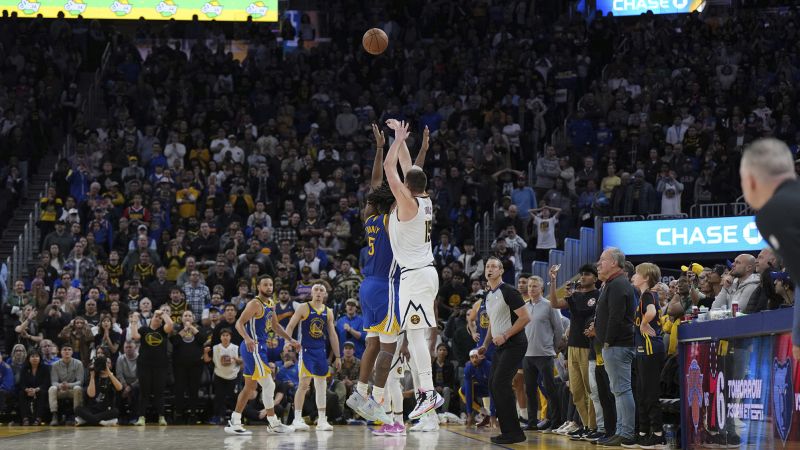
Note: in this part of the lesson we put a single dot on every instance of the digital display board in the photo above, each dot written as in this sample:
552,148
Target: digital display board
663,237
221,10
636,7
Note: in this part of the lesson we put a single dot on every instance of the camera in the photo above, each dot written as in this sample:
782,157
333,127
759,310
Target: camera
99,365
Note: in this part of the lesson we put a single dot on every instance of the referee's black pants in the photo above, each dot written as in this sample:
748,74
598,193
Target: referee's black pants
506,360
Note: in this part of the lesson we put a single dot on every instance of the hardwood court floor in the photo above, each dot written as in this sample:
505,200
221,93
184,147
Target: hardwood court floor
450,437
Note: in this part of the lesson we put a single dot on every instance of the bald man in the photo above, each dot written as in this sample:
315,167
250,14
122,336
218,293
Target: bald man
770,186
739,284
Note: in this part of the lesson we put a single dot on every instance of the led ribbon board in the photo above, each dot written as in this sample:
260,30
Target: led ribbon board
221,10
636,7
661,237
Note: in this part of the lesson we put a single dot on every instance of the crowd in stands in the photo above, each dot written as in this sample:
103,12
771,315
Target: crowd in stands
206,172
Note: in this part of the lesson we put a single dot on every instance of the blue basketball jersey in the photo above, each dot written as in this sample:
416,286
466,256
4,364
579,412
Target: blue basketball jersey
259,326
380,258
482,321
314,328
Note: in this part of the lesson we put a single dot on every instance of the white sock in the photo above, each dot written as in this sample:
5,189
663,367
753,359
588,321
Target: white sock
523,412
377,394
418,347
322,417
363,389
298,416
236,418
398,418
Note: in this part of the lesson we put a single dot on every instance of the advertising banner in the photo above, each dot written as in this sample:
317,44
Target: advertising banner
740,392
221,10
660,237
636,7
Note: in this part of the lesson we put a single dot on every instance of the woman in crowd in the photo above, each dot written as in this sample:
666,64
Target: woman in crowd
33,383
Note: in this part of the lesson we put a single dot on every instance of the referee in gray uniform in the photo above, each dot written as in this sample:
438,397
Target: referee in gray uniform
508,316
770,186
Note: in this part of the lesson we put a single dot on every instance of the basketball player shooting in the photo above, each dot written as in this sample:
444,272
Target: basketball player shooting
410,225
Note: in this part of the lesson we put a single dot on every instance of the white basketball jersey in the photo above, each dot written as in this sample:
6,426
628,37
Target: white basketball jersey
411,241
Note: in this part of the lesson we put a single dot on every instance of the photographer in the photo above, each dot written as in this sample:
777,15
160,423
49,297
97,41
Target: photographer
152,363
101,392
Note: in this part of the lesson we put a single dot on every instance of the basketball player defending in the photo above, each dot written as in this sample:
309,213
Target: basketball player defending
316,329
410,225
254,325
379,298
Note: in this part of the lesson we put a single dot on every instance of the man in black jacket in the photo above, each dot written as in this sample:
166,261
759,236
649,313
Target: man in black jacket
770,186
614,328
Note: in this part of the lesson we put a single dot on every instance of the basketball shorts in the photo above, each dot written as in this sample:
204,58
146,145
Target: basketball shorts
379,305
314,362
418,289
255,364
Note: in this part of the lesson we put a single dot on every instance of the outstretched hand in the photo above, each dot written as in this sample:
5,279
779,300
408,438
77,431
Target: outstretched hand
393,124
380,139
401,133
426,139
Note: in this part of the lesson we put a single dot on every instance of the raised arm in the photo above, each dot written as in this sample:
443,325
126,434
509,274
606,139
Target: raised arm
377,164
423,151
555,302
405,201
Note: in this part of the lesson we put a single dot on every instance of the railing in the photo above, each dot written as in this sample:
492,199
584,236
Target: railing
710,210
667,216
487,230
531,173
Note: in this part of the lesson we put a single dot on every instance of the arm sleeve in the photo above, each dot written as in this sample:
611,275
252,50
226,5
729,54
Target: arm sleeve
558,327
513,298
721,300
619,297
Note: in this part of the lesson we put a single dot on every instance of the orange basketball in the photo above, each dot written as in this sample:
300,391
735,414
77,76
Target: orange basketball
375,41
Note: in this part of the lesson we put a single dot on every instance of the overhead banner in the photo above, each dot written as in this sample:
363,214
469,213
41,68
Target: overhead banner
662,237
637,7
220,10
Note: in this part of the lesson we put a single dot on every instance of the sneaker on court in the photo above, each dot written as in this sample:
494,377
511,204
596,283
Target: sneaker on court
356,402
426,401
237,429
572,426
384,430
557,430
577,434
634,442
374,411
421,425
398,429
108,423
79,421
162,421
653,441
324,426
281,428
300,425
594,436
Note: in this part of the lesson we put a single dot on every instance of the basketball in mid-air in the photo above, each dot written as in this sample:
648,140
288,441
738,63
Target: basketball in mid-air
375,41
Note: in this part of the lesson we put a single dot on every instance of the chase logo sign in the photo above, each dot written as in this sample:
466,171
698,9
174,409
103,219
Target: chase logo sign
659,237
636,7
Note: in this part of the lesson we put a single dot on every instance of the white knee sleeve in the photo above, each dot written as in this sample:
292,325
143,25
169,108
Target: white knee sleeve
320,392
267,392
